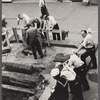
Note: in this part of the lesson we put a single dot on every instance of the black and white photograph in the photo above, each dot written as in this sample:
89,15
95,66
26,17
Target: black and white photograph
49,50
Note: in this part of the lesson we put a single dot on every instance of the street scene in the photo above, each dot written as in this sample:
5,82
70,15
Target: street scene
50,50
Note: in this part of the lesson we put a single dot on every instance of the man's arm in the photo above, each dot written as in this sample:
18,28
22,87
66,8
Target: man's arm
18,20
79,48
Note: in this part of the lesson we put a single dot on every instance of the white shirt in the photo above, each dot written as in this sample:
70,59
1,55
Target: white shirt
75,61
25,18
68,72
85,1
41,2
3,17
49,24
88,41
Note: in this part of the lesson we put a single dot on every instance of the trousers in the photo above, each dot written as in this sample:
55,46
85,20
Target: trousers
90,52
56,27
75,87
36,46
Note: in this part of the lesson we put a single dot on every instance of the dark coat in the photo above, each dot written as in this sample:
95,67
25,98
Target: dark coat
44,10
33,35
61,90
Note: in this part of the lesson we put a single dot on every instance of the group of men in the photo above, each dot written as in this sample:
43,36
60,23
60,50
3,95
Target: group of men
73,71
35,30
46,24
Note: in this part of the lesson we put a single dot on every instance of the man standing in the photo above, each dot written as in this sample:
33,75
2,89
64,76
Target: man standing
51,24
89,46
25,18
34,40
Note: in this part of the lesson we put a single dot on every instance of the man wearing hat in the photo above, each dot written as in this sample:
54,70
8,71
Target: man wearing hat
61,88
71,65
89,46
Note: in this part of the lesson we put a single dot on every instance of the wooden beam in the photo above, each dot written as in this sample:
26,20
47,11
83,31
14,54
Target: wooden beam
62,43
20,79
15,67
15,34
22,68
18,89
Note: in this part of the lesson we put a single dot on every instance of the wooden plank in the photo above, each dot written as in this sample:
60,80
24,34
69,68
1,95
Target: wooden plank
7,48
24,37
48,40
18,89
61,43
21,79
56,31
22,68
15,34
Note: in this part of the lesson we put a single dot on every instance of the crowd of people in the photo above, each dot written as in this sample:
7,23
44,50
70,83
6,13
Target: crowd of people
72,72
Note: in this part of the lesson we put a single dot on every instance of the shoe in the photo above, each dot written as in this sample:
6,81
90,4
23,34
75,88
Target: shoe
35,58
85,89
41,57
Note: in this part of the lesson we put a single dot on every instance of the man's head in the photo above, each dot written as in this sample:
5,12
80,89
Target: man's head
20,16
83,33
45,17
55,73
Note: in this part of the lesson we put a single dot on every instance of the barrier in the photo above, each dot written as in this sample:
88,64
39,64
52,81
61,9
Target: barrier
5,43
21,35
15,34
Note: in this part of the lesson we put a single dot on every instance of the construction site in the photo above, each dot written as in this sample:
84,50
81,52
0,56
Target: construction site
23,77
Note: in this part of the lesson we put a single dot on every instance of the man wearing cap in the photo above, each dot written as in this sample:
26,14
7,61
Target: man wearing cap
63,74
89,46
71,65
61,88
